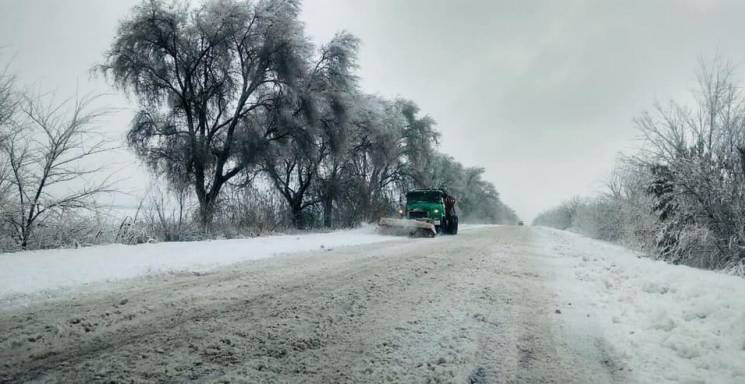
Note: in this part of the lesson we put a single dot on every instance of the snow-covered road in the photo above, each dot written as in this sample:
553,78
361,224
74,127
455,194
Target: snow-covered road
491,305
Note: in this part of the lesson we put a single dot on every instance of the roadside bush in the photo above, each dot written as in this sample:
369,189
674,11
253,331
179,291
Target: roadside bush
682,197
561,217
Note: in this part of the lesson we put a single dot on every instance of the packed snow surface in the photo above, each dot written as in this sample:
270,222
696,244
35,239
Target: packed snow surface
554,302
667,323
29,272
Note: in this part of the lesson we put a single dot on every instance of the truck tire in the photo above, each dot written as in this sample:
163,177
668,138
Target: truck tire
446,224
453,225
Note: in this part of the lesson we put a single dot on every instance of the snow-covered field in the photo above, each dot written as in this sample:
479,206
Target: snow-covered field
669,324
33,272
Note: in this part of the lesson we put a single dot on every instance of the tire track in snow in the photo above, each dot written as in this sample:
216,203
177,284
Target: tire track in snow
472,308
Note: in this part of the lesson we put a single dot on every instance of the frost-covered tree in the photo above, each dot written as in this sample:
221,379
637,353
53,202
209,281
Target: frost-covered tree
8,107
478,199
696,157
205,77
8,99
682,197
315,118
376,157
419,141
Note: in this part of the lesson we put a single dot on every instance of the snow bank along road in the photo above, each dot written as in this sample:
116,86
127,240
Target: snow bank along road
28,274
491,305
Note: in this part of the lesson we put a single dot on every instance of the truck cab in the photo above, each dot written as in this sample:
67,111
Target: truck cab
430,205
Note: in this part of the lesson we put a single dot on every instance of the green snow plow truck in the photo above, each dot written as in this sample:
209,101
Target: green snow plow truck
428,212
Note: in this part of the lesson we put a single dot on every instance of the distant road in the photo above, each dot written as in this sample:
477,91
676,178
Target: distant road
472,308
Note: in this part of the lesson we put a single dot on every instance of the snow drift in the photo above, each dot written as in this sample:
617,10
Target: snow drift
670,324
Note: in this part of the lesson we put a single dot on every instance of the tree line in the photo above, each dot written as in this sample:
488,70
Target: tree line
682,196
248,124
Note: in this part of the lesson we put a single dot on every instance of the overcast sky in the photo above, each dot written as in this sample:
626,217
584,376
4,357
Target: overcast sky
540,93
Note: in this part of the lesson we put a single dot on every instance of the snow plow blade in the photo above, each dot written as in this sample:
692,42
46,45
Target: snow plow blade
408,227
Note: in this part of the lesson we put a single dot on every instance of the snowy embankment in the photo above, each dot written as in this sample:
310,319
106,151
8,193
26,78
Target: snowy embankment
667,323
38,272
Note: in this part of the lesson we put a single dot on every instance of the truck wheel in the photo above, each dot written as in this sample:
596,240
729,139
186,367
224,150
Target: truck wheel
453,225
446,225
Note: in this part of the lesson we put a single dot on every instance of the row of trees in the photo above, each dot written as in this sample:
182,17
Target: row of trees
682,197
232,91
247,125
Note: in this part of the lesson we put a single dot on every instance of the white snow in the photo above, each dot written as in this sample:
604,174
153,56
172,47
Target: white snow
670,324
32,272
46,271
651,321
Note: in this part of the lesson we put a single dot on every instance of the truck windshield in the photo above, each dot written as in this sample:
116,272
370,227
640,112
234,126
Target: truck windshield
424,196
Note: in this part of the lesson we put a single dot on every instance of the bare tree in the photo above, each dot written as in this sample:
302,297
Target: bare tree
167,211
8,100
48,155
205,77
293,169
8,106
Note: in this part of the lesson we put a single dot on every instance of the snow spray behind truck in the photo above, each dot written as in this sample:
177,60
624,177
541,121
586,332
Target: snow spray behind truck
427,213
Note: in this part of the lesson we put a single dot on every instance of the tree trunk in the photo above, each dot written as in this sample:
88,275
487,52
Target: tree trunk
328,207
24,239
207,201
206,210
297,215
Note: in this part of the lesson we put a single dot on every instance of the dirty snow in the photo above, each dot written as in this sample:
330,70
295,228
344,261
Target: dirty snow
470,308
669,324
30,272
529,303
